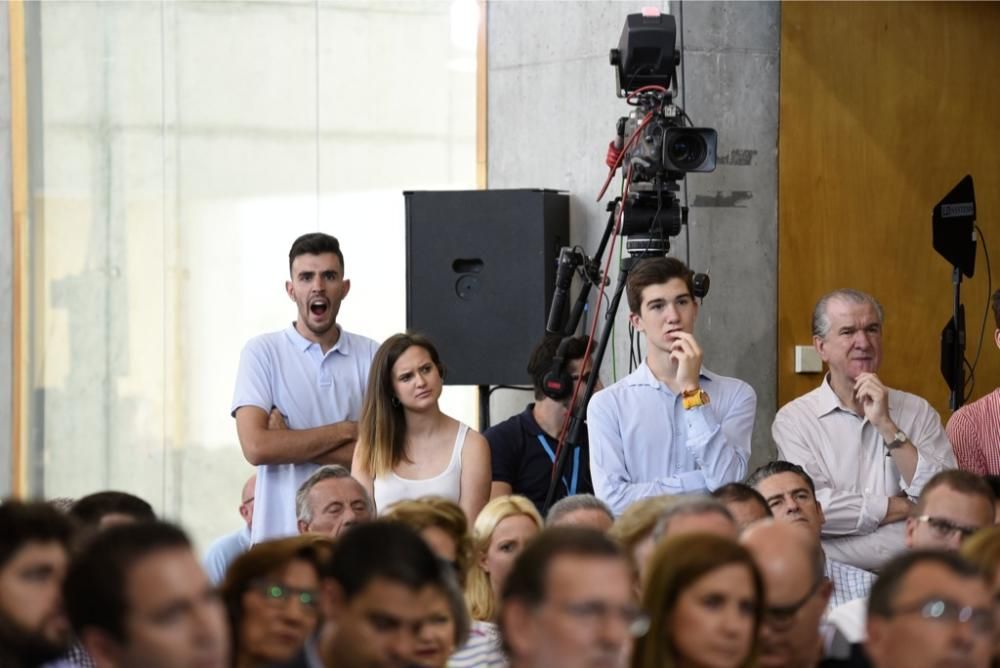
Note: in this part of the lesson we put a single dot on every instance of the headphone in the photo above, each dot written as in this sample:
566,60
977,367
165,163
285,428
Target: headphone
557,383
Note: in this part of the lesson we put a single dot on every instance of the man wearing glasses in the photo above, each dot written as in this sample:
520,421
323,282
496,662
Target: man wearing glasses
930,608
954,505
568,601
796,593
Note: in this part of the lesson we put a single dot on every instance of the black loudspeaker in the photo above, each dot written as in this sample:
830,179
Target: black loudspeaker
480,273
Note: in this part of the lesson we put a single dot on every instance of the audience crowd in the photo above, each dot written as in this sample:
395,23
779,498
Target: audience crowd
377,531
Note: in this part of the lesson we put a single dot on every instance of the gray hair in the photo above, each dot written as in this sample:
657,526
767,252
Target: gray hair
698,505
302,510
821,320
571,504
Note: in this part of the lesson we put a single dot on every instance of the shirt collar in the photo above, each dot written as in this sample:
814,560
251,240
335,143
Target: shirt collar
528,421
644,376
827,400
343,345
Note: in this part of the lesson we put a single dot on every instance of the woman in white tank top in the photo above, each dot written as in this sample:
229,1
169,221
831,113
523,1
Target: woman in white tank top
408,448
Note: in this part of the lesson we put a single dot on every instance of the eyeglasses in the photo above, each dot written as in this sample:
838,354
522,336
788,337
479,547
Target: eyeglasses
945,611
594,613
276,593
780,617
943,528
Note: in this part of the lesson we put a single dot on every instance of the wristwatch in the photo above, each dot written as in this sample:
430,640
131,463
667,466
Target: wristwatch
898,439
694,398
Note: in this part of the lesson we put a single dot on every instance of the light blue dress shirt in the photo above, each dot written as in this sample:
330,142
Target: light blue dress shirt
221,553
643,443
311,389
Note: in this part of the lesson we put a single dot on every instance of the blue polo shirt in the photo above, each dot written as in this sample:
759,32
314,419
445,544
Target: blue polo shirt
286,371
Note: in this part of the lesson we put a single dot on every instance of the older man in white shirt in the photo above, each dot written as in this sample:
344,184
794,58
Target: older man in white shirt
868,448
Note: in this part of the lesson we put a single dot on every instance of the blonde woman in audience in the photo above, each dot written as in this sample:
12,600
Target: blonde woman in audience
501,531
442,525
633,530
407,448
982,549
705,599
271,594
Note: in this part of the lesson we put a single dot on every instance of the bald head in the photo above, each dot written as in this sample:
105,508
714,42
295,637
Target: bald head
246,499
796,593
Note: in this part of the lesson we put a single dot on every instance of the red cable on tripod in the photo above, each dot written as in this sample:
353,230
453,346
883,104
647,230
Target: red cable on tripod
563,431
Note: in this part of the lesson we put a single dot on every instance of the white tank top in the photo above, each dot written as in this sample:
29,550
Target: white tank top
392,488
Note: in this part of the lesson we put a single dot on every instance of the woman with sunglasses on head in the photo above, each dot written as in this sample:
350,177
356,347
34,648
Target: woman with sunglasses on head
442,525
271,596
407,448
704,597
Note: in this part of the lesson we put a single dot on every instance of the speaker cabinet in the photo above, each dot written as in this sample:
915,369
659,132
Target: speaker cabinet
480,274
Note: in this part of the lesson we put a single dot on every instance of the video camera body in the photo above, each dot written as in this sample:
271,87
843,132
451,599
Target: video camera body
656,145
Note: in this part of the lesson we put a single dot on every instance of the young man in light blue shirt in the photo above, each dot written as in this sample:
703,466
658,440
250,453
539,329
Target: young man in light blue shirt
671,426
299,391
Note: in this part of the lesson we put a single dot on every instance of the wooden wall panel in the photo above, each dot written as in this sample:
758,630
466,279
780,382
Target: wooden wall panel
884,107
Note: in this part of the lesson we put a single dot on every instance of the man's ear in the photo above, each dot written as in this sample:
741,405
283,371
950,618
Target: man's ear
303,527
911,529
819,344
519,628
636,321
101,647
826,591
331,599
289,290
822,515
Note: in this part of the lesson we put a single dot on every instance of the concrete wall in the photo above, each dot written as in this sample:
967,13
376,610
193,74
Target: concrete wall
6,263
552,111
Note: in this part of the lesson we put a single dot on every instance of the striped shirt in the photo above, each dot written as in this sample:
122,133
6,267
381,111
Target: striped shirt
482,650
974,432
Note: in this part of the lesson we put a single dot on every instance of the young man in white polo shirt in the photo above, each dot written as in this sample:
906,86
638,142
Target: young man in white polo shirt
309,378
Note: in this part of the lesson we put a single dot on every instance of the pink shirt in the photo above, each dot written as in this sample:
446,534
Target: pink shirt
974,432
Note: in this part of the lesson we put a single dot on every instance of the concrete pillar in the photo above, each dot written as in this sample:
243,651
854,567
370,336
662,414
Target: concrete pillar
552,111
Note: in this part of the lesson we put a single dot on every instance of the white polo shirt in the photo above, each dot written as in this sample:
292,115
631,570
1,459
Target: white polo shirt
284,370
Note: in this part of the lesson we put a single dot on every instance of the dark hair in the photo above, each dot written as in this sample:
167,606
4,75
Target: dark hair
737,492
261,560
383,549
382,428
526,580
957,480
543,354
654,271
95,587
996,307
91,509
315,243
22,523
774,468
891,576
994,482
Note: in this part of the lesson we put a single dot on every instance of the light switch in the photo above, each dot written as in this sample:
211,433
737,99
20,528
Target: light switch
807,360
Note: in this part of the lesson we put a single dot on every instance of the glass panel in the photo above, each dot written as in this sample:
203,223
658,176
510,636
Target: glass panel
179,149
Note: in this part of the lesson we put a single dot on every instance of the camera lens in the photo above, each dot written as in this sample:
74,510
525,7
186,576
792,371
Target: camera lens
687,150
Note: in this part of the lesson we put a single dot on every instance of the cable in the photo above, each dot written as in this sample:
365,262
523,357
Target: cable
986,312
563,432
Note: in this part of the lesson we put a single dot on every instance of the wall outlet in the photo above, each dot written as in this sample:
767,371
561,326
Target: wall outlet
807,360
